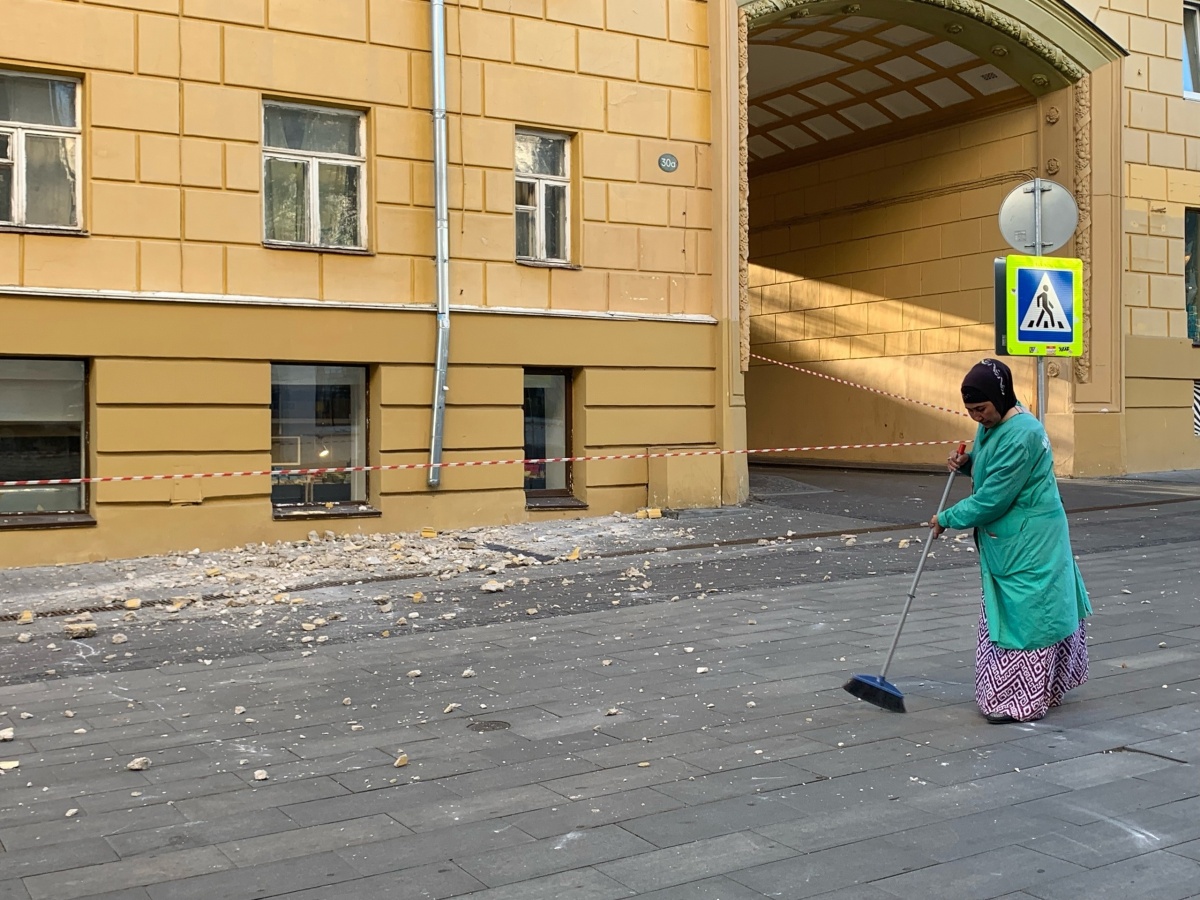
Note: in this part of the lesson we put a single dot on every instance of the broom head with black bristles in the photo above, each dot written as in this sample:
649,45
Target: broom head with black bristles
878,690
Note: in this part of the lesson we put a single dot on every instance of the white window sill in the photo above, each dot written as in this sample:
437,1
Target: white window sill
548,264
58,230
318,248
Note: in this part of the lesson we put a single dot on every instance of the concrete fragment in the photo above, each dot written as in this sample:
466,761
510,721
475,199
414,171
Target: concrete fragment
119,639
78,630
401,760
261,775
492,586
138,764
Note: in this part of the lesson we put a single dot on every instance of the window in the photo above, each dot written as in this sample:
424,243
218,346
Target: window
42,410
547,432
1191,271
543,197
314,172
39,151
1191,50
318,421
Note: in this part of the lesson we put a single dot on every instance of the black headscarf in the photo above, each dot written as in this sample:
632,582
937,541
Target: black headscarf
990,380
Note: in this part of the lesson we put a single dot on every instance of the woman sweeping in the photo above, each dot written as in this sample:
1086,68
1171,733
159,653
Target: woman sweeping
1032,647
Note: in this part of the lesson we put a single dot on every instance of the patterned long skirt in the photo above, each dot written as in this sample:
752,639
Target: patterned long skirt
1025,683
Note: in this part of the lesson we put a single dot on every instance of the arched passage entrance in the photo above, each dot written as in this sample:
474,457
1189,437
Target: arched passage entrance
880,138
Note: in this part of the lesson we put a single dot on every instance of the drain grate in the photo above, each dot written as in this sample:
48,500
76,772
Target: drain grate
490,725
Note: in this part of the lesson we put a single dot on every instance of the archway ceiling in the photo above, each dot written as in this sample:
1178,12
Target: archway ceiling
819,85
826,75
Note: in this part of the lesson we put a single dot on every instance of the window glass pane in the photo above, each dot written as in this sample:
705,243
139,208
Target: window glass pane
1191,52
50,180
1191,270
318,420
556,221
5,146
285,200
540,155
6,185
545,430
291,128
37,101
526,193
338,188
41,433
526,234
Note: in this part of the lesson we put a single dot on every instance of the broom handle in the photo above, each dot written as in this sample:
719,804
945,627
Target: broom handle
912,591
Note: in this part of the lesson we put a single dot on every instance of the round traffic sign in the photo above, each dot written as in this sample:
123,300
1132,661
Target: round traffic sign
1060,217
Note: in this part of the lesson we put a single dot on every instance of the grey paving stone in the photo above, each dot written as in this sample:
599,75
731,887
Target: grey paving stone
82,827
13,890
748,780
80,882
719,888
580,884
518,774
485,805
985,793
706,820
183,835
136,893
826,828
272,796
385,800
832,869
691,862
53,858
621,778
254,851
573,815
572,850
435,881
255,882
981,877
977,833
432,846
864,757
1100,843
1159,875
1096,769
1105,801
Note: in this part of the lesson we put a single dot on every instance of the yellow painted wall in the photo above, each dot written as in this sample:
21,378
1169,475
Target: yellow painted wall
186,388
1160,178
172,98
876,267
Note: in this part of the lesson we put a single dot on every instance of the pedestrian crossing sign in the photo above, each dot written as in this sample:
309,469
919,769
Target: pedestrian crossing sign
1044,306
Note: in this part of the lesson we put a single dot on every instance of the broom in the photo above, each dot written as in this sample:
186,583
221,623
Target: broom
876,688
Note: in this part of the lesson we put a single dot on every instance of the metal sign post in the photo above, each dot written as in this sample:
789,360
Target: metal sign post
1048,210
1037,251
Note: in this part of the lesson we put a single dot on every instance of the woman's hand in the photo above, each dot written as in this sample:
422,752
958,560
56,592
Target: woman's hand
956,461
937,526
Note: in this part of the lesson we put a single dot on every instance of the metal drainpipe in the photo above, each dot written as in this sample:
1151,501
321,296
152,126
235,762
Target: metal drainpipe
442,251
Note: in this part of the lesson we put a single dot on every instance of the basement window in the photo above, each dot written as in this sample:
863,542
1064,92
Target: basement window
42,436
39,152
547,408
318,421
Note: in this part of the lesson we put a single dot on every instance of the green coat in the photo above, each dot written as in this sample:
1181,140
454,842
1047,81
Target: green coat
1033,593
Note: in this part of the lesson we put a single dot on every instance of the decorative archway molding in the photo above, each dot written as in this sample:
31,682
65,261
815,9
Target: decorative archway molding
1044,45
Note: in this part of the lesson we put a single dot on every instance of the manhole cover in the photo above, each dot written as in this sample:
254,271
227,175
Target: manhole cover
493,725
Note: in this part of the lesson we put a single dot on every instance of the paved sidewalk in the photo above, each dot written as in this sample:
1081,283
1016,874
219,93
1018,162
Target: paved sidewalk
701,748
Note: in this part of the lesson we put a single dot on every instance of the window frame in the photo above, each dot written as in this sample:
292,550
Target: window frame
1191,40
312,160
310,509
564,496
62,518
539,212
18,133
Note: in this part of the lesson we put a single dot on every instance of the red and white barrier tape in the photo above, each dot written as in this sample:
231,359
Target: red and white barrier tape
861,387
105,479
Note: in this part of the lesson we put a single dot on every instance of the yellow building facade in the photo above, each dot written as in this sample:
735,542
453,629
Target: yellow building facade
220,222
217,240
